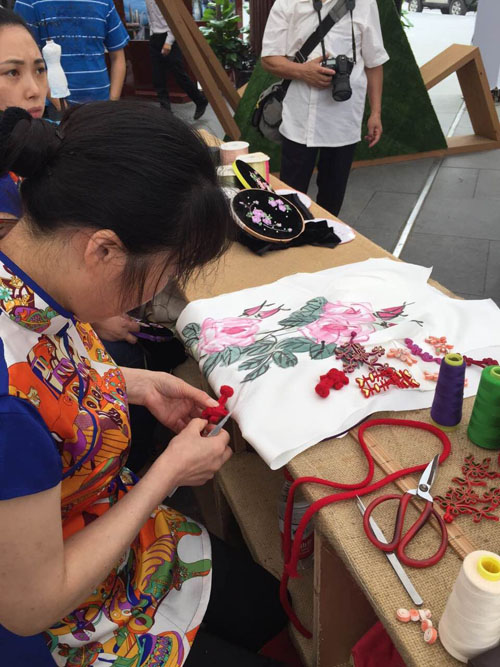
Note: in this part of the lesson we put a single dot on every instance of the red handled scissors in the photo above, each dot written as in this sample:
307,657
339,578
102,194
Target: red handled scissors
399,541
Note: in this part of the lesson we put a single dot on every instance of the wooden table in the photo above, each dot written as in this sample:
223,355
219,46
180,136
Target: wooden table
352,583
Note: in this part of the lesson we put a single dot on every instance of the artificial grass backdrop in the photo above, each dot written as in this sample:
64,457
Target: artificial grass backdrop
409,120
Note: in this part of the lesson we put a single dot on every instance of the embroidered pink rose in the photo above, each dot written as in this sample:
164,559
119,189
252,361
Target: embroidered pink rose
216,335
337,322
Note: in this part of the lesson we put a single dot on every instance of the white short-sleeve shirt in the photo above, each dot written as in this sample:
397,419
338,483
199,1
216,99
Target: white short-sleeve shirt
310,115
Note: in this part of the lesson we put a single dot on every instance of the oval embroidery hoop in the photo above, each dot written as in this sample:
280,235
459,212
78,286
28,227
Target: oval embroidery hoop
250,177
267,216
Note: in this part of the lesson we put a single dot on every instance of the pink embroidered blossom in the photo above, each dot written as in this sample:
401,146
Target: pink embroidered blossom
254,310
216,335
391,313
342,322
269,313
257,215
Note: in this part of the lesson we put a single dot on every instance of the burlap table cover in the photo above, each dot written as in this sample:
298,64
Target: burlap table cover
342,460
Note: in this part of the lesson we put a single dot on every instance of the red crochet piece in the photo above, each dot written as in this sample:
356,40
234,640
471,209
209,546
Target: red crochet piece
334,379
464,498
215,414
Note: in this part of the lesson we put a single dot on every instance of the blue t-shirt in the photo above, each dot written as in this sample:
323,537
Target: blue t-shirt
83,29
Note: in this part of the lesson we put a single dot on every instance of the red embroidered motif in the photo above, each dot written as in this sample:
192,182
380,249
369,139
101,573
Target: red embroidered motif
384,379
487,361
354,355
465,498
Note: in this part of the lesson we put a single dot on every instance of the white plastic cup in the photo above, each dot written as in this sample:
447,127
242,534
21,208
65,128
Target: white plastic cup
231,150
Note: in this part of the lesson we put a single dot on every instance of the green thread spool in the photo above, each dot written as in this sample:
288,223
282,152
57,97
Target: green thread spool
484,425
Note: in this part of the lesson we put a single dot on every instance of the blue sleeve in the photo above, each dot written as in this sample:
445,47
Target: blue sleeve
10,199
29,460
26,10
116,34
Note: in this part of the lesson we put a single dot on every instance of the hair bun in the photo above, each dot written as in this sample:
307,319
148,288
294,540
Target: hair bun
27,144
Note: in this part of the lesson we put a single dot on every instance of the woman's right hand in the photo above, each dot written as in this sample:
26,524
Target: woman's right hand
194,457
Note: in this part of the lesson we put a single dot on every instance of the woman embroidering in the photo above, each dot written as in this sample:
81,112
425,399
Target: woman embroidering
94,570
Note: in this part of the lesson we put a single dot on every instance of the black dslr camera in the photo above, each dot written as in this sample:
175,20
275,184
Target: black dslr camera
341,85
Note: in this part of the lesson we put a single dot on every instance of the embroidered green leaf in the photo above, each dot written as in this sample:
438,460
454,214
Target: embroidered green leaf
296,344
315,304
284,359
211,362
230,355
256,373
322,351
191,333
309,312
259,347
251,363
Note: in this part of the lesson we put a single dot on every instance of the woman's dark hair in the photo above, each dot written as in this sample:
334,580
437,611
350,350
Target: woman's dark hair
127,166
8,17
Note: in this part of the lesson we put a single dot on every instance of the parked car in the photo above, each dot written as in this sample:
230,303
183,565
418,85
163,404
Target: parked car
446,6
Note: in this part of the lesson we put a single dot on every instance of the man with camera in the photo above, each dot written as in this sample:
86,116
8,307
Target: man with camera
324,104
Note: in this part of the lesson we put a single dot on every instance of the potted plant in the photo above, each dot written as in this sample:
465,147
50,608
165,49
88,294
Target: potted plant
227,39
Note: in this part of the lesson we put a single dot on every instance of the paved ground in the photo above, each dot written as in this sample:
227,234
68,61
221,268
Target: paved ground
458,228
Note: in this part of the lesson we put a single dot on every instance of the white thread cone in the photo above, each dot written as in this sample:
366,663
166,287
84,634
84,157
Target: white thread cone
470,624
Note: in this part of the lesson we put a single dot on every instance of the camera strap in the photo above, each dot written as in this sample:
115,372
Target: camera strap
324,25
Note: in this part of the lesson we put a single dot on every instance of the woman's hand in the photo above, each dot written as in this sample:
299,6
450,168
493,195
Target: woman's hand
192,458
120,327
374,130
171,400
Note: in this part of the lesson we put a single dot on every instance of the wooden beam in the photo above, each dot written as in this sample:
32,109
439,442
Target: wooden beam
466,61
478,98
471,143
218,72
172,13
445,63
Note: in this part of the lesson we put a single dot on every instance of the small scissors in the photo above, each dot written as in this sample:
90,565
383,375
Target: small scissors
399,541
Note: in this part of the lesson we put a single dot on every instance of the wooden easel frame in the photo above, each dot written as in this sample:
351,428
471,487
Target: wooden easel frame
466,61
202,60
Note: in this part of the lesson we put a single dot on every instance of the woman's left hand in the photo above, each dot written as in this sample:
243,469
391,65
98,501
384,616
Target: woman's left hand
171,400
374,130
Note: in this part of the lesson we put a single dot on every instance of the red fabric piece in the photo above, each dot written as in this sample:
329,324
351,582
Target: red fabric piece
280,648
375,648
291,548
226,391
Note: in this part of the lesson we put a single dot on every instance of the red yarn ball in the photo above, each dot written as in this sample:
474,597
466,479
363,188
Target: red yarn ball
226,391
